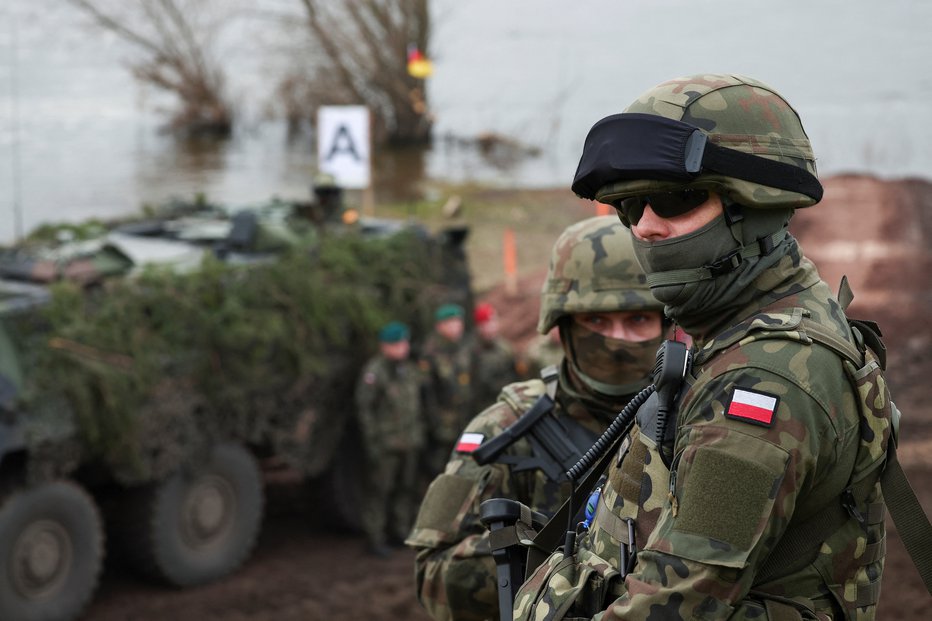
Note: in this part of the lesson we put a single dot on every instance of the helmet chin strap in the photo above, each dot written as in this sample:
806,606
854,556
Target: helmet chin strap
734,218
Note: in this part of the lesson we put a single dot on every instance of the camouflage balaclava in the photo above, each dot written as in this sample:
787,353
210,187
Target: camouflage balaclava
703,276
682,274
593,269
607,365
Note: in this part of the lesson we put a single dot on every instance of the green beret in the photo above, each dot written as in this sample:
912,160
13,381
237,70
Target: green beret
447,311
393,332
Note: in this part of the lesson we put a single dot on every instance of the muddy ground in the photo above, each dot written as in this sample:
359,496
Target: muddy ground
877,232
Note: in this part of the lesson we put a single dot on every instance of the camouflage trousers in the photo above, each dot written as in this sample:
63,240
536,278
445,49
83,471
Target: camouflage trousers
446,427
391,497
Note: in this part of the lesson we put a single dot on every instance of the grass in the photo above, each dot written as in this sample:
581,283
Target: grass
536,217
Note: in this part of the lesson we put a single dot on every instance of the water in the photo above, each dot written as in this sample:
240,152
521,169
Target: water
79,138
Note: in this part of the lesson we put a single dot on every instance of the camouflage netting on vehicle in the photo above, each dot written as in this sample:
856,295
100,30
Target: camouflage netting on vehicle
266,353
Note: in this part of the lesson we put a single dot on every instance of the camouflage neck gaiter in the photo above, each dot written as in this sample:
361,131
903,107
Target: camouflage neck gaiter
701,305
609,366
583,403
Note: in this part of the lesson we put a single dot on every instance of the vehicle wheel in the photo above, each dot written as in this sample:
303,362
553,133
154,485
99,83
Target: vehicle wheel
342,489
51,552
197,526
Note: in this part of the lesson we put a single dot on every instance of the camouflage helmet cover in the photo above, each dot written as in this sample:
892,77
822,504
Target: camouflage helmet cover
735,112
593,269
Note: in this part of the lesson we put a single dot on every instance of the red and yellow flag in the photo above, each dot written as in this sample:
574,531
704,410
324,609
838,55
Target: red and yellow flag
418,64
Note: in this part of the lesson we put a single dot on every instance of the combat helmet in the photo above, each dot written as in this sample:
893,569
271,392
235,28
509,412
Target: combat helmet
593,269
729,134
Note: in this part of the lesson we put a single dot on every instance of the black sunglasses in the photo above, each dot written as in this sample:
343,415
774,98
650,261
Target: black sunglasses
664,204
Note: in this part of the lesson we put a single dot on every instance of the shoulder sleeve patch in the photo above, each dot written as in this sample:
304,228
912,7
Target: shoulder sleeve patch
469,442
369,378
752,406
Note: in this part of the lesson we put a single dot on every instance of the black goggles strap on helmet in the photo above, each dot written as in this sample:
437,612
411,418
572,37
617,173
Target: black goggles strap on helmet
632,146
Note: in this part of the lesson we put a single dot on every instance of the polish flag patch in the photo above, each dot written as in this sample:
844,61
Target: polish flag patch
469,442
752,406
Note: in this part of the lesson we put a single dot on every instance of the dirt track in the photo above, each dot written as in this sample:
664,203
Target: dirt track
302,572
878,233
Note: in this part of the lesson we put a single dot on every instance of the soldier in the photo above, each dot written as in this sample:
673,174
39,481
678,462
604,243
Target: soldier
326,210
597,297
446,360
388,402
760,499
494,363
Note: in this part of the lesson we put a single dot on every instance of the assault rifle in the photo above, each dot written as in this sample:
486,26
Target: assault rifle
555,448
553,453
521,540
512,528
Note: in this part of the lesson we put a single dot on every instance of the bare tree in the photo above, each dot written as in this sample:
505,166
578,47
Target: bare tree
359,55
173,39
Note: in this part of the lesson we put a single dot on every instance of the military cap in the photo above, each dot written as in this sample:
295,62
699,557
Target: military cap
393,332
448,311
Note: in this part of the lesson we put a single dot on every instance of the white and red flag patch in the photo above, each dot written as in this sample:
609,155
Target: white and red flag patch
752,406
469,442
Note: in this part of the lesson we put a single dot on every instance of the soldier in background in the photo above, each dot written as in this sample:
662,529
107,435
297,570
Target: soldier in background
596,296
326,210
328,199
388,402
494,363
446,361
758,496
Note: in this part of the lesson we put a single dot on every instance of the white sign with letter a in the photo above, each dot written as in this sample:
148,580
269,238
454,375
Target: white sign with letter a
343,148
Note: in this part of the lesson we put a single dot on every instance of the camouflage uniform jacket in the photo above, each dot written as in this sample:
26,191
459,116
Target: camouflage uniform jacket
454,569
741,480
448,370
388,402
493,367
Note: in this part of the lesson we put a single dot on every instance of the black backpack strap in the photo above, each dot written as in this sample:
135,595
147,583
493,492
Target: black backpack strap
911,521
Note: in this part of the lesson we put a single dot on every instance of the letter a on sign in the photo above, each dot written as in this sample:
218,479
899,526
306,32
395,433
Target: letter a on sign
343,147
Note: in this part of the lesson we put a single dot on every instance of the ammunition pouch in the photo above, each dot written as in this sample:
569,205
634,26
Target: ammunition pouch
568,587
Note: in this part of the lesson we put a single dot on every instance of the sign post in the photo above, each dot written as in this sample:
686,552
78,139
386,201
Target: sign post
344,147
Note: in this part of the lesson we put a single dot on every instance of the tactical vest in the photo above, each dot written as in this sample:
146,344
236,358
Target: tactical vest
639,486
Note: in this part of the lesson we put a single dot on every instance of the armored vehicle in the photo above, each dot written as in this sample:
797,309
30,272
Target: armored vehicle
147,374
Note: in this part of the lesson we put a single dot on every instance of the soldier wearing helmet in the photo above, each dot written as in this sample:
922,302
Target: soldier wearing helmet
611,326
761,498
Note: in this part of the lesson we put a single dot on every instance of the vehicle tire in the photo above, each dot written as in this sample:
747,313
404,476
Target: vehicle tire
341,492
196,526
51,552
